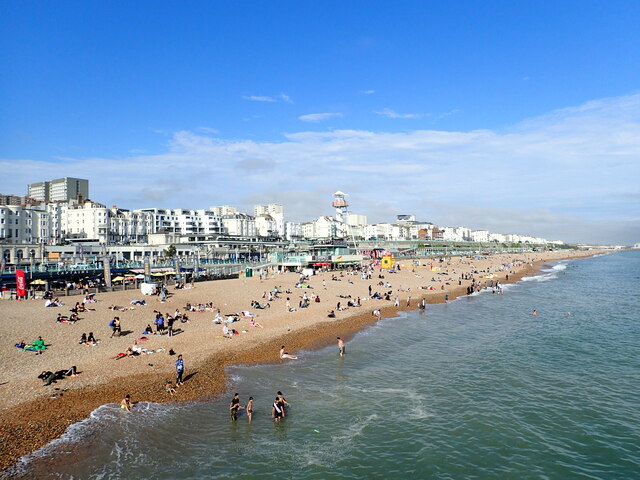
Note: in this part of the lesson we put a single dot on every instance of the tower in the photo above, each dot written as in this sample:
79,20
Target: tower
342,214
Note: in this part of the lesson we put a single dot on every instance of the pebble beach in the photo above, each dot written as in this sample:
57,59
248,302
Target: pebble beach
32,414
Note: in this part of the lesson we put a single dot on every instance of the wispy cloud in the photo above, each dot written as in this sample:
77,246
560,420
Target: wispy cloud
209,130
571,174
387,112
367,92
319,117
281,97
259,98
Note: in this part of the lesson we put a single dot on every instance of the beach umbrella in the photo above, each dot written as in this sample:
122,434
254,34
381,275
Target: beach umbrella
38,282
140,276
118,279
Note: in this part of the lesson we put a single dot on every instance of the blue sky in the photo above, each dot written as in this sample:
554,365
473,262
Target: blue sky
519,117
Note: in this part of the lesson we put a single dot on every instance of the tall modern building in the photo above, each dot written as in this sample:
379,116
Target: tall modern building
273,210
60,190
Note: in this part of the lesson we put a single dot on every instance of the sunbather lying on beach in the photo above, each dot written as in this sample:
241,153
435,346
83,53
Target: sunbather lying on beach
37,346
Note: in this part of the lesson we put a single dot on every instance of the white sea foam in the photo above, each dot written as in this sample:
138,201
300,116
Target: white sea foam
101,418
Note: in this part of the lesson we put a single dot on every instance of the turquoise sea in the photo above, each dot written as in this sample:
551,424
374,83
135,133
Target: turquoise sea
475,389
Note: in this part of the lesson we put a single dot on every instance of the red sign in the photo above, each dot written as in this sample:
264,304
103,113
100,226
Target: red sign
21,284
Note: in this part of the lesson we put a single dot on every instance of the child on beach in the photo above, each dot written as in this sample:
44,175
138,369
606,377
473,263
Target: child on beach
169,388
126,403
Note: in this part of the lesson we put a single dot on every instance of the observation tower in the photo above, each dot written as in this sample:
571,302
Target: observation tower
341,206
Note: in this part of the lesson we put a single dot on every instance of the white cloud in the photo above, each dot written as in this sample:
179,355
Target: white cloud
571,174
367,92
209,130
267,98
387,112
319,117
259,98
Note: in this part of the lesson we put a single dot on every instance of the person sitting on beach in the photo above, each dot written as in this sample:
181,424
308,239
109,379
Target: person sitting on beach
21,345
49,303
332,314
83,339
169,388
148,330
91,340
61,318
126,403
253,323
284,354
218,318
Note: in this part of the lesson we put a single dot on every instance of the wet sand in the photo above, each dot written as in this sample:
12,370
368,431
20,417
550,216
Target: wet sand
31,418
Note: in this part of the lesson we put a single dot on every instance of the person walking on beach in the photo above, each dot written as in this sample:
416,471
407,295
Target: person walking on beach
409,301
179,371
396,303
376,313
284,354
235,407
341,347
116,326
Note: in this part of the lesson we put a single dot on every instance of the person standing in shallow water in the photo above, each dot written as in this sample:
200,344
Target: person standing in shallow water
281,403
277,411
250,409
341,347
235,407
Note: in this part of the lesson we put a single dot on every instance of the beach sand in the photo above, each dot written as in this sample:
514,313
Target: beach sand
30,417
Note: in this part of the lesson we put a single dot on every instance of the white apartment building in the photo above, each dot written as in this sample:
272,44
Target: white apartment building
356,220
223,210
24,225
240,225
455,234
276,212
184,222
497,237
293,231
267,226
60,190
480,236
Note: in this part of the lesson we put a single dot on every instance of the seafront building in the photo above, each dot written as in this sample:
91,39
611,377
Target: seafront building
60,215
60,190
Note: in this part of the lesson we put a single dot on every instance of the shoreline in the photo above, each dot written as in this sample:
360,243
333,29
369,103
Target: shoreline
206,379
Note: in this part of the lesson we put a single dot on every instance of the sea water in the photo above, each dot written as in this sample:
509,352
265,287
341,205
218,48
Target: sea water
478,388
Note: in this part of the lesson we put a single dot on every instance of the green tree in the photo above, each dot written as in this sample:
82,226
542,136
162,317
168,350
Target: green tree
170,251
